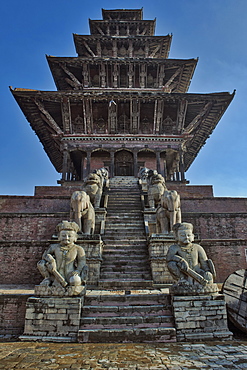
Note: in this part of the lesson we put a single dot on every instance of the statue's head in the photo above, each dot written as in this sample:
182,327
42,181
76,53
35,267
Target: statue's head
67,233
183,233
93,178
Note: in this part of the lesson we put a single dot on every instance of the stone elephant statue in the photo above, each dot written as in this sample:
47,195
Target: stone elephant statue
156,188
169,212
93,187
82,212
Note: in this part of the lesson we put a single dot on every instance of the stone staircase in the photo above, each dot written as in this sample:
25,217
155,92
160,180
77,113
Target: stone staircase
142,316
126,307
125,258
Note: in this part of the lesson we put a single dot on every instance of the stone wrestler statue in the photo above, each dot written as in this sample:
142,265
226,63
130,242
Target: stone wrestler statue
64,264
188,262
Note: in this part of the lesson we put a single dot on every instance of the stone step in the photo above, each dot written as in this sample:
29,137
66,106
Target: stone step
121,225
109,311
118,253
126,284
119,298
117,238
130,335
138,320
131,213
125,243
125,269
127,248
114,276
125,261
128,220
125,233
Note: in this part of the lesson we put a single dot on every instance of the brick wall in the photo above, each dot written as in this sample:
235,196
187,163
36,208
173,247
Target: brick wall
19,262
29,226
12,314
227,255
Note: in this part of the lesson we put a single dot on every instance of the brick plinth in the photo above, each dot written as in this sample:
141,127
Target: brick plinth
54,319
200,318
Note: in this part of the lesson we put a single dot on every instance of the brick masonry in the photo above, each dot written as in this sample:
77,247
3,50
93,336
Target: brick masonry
54,319
12,314
200,318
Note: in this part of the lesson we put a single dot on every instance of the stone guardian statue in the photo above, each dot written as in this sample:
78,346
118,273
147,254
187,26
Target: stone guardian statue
188,264
63,265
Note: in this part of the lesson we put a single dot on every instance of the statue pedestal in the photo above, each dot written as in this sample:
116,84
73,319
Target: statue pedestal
200,317
93,246
158,246
52,319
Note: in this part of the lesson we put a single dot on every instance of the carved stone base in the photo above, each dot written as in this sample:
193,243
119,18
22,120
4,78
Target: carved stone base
158,247
190,289
59,291
52,319
93,246
200,317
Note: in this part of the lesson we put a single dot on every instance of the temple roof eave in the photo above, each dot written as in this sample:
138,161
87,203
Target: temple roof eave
60,77
49,135
138,13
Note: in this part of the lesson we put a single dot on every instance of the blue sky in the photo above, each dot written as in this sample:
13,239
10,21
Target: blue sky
213,30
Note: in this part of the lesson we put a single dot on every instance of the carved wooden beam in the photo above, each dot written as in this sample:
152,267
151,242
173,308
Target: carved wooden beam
99,50
169,82
66,114
85,75
100,30
75,81
114,48
135,115
181,114
49,119
89,49
161,75
146,49
155,51
130,48
144,31
196,121
159,115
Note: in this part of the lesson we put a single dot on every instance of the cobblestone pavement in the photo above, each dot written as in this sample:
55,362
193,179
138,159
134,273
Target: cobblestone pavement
131,356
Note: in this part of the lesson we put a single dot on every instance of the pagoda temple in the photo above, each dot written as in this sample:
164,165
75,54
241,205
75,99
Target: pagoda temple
124,106
122,103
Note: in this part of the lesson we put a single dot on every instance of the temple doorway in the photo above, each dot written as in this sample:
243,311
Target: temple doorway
124,163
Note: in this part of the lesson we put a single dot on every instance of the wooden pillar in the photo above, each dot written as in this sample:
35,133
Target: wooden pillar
82,169
158,167
66,115
85,75
112,166
165,170
88,169
181,165
65,163
135,163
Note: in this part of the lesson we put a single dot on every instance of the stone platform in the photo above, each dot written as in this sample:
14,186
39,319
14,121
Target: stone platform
122,356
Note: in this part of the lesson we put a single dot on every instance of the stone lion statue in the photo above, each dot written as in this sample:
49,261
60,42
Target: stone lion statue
156,188
93,187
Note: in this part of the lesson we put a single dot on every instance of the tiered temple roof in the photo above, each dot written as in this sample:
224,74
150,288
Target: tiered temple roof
122,94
